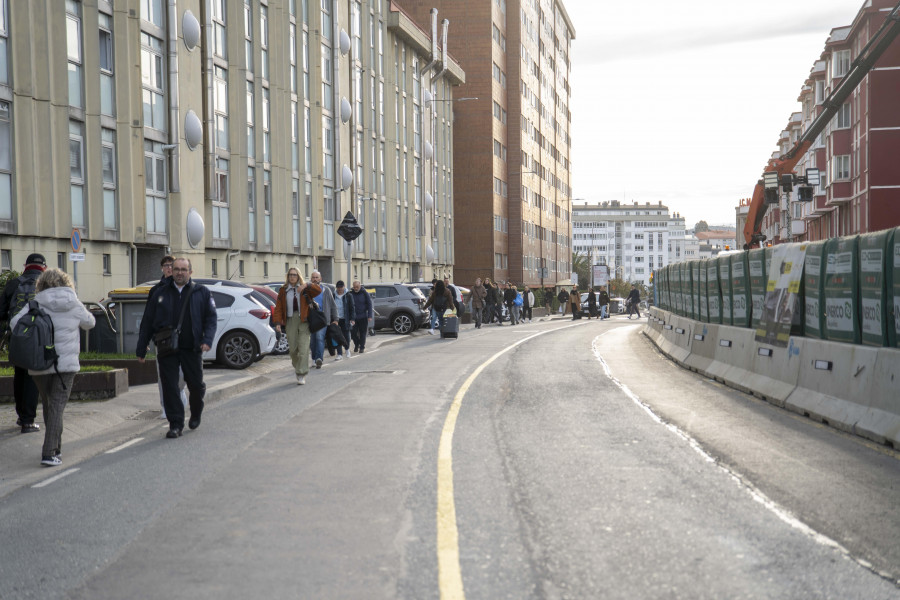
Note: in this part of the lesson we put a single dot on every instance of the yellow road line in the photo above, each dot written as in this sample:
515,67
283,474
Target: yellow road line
449,572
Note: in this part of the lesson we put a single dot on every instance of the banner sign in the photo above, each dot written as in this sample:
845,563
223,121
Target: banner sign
782,299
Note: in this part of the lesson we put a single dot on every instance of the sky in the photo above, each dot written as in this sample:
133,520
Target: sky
683,102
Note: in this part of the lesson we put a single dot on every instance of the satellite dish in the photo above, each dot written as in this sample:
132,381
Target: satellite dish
429,151
428,97
346,177
190,30
429,254
345,42
193,129
429,201
195,228
346,110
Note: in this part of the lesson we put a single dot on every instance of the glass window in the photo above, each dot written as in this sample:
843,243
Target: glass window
6,199
220,204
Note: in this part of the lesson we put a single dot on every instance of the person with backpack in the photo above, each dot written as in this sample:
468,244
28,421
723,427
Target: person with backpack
55,297
15,296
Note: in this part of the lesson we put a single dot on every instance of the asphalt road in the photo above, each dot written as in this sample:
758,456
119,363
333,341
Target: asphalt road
583,464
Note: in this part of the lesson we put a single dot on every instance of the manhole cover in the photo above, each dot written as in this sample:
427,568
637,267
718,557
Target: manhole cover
145,415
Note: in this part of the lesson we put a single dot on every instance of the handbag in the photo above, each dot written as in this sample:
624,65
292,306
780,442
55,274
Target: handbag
315,318
166,338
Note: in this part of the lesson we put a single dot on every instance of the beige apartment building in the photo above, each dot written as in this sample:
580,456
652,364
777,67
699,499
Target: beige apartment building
513,177
237,133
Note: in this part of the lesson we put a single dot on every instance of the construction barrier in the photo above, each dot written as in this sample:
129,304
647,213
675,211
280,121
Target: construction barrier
704,338
813,290
893,285
713,292
874,249
694,290
724,263
841,290
740,290
756,261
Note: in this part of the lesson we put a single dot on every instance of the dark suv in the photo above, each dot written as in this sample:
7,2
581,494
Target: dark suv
398,306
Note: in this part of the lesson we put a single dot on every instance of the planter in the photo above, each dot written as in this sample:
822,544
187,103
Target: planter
138,374
87,386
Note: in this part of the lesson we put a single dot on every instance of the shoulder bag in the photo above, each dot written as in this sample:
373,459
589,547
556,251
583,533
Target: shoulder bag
166,339
315,317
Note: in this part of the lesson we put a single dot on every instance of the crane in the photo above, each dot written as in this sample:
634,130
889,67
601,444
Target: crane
781,167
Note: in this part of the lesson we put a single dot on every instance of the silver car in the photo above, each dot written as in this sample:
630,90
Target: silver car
398,306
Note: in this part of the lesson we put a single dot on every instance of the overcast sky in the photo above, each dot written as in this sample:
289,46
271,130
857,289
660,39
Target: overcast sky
683,102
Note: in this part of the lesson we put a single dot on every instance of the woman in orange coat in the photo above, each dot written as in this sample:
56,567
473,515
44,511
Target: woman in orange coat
291,310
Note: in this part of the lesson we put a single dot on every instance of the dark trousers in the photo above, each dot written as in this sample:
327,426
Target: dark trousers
526,312
53,399
191,363
345,329
360,329
26,394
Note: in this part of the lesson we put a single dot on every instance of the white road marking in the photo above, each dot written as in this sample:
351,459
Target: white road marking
125,445
54,478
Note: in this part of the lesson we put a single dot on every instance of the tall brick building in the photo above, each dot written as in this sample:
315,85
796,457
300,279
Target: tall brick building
512,147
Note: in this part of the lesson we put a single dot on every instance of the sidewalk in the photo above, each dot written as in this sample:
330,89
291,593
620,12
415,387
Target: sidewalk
93,427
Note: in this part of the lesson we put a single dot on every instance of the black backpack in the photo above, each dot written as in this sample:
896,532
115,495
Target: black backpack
31,343
24,293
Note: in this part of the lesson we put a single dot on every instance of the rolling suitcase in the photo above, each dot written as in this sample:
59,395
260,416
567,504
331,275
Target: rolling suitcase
451,327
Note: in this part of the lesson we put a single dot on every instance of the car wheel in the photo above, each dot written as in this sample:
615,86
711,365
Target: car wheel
402,323
237,350
281,344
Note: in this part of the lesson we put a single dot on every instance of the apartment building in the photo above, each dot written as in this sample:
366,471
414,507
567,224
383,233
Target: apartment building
235,133
632,239
859,180
512,184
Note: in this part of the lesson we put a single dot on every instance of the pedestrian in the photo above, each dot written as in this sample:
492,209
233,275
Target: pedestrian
563,298
548,300
592,304
603,300
509,298
575,300
343,302
498,302
325,300
55,294
440,300
489,301
188,311
634,299
290,313
16,295
478,297
363,310
527,303
165,267
457,295
433,317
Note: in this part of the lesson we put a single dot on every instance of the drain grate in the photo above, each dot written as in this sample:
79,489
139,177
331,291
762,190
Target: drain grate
145,415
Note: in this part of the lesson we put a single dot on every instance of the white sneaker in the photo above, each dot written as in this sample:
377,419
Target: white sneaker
318,363
431,331
163,415
301,380
338,357
349,354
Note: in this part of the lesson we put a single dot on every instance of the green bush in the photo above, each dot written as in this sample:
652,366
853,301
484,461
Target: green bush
9,372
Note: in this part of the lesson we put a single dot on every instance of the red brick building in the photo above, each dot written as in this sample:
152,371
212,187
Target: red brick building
857,153
512,146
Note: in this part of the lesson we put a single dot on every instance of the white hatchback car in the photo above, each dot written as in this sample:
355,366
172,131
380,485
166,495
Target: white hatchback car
243,333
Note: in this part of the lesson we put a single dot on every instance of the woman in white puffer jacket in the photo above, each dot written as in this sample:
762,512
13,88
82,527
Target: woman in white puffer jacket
56,295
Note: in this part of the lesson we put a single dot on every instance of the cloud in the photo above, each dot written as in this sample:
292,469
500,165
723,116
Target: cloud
600,49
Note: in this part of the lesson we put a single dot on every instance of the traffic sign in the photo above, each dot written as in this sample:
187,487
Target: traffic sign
76,241
76,256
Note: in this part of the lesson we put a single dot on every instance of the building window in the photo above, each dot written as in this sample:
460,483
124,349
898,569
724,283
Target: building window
155,188
843,116
73,45
218,23
108,167
220,204
328,215
295,213
4,43
307,188
840,63
76,173
267,207
267,139
220,92
264,40
251,203
251,119
61,261
328,147
841,167
5,260
153,82
152,12
248,35
107,85
214,267
6,199
107,264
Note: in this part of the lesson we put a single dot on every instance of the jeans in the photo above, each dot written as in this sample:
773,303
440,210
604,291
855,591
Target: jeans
434,318
317,344
604,314
477,314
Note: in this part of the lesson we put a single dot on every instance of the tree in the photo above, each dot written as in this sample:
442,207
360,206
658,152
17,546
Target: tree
581,265
701,226
618,287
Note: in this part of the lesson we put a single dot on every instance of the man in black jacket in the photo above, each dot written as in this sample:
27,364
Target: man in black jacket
563,298
165,267
15,297
634,299
198,329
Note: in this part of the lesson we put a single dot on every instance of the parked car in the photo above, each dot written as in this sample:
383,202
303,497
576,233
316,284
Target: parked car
243,333
270,297
398,306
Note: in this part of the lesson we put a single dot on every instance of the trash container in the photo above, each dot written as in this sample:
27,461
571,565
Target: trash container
127,304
